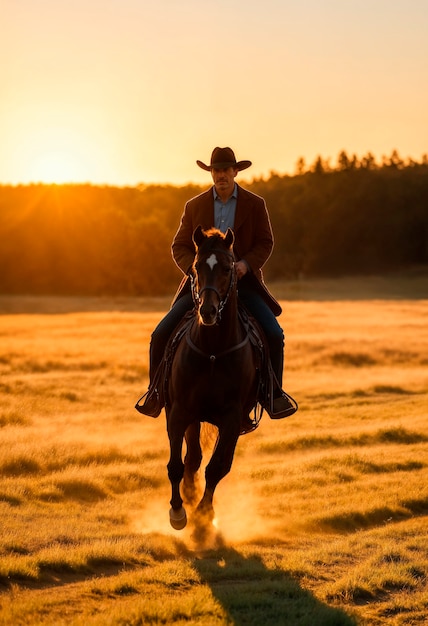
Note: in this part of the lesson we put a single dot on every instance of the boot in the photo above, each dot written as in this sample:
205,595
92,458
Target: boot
277,404
282,406
153,403
154,398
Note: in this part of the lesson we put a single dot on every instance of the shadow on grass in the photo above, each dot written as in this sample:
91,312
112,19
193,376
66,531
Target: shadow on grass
252,594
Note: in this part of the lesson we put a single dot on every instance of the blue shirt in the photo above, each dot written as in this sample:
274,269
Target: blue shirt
224,212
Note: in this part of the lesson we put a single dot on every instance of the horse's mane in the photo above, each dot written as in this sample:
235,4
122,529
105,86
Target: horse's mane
215,237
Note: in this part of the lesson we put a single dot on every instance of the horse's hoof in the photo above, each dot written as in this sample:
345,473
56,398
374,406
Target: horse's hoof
178,518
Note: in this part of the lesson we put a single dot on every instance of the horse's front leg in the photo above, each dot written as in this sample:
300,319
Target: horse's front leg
177,513
219,465
192,462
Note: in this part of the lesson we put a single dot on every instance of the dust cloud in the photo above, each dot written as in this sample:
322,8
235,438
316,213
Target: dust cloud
238,518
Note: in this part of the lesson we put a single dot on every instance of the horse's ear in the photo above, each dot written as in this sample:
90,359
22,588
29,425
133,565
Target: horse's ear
229,238
198,236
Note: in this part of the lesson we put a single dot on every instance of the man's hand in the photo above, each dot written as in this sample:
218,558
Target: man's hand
241,268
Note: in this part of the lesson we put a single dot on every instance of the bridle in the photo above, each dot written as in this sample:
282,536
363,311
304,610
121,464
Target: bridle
222,301
197,297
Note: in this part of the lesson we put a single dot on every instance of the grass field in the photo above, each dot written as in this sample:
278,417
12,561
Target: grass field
323,520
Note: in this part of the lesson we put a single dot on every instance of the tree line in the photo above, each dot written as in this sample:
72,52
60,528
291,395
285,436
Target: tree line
358,217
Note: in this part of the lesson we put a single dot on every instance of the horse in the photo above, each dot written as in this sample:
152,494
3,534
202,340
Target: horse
213,378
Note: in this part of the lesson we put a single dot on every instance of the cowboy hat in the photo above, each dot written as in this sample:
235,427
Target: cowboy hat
222,158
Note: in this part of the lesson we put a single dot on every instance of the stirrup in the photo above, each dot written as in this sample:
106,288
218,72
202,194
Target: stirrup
275,391
152,405
290,406
249,424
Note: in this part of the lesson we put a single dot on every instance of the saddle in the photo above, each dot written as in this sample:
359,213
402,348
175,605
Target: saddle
267,384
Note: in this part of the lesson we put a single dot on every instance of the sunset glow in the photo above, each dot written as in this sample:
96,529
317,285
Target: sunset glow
56,156
56,167
134,91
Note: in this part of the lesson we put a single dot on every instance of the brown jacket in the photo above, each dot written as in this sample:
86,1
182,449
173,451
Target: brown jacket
253,238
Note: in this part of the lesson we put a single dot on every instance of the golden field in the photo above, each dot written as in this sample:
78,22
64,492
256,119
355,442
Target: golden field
322,520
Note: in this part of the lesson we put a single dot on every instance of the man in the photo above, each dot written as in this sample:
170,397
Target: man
225,205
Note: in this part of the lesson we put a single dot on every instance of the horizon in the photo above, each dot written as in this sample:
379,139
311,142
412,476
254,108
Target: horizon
330,164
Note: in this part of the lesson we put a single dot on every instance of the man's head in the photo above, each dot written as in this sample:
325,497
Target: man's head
224,167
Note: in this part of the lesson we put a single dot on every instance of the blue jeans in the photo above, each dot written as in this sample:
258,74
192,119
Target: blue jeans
165,328
272,330
255,305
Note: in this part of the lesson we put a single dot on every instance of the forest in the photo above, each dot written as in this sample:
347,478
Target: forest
358,217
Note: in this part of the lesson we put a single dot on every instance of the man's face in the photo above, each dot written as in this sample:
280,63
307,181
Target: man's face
224,179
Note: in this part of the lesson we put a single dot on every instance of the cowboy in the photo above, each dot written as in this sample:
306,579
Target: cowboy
225,205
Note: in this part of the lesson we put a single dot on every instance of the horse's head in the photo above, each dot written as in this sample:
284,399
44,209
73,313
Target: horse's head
214,272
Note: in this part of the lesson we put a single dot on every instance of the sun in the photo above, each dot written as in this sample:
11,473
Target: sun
57,166
59,155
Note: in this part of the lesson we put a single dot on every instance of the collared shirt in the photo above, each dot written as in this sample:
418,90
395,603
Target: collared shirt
224,212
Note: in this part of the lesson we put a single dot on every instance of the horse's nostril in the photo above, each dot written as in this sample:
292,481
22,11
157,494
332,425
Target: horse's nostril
208,308
208,311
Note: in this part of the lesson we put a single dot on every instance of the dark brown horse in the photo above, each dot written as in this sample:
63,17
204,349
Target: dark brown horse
213,378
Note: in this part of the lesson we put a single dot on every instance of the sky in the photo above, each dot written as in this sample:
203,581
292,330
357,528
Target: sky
123,92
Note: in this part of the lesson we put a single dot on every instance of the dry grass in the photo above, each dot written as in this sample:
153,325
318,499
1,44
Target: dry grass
323,519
